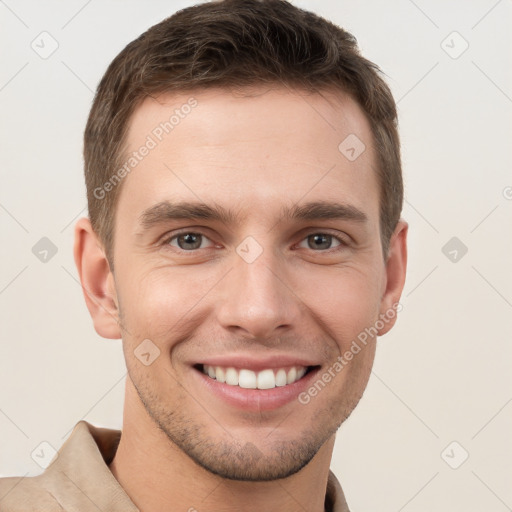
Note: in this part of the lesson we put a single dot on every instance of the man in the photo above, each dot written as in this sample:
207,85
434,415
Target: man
244,185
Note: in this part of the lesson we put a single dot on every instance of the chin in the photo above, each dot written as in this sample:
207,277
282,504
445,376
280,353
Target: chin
247,463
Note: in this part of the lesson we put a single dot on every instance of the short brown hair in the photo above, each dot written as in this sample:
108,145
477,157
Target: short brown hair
236,43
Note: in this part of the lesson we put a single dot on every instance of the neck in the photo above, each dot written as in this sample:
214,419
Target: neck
155,474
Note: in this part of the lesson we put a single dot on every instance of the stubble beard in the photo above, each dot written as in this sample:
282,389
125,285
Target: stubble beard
239,459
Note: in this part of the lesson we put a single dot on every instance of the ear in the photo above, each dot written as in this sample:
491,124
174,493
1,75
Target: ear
97,280
395,276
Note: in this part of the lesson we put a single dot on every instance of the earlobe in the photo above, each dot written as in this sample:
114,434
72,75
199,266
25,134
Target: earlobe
396,267
97,280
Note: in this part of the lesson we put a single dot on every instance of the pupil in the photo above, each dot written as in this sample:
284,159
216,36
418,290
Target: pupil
322,241
190,239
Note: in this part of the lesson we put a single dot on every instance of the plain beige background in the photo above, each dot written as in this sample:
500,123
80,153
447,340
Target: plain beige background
441,389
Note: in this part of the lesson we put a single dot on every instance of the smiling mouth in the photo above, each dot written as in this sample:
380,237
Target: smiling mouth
248,379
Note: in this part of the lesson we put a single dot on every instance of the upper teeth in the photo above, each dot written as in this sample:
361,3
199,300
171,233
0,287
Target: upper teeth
265,379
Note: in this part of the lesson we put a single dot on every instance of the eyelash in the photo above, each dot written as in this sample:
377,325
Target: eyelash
166,241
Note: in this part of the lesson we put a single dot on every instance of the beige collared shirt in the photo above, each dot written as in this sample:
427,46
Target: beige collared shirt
79,480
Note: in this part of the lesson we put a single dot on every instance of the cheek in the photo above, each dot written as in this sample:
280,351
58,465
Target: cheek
159,304
164,304
346,302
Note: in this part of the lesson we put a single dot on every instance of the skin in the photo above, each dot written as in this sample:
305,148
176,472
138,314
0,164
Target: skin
255,153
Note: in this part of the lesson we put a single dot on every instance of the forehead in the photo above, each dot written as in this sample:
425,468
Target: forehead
256,149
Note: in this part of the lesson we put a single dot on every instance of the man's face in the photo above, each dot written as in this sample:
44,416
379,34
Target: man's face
278,284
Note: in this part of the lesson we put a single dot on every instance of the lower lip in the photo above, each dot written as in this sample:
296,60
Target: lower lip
257,399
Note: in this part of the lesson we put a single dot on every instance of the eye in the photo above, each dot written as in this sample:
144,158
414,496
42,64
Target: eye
319,241
187,241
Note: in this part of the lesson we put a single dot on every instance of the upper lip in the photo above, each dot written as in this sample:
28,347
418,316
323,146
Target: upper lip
254,363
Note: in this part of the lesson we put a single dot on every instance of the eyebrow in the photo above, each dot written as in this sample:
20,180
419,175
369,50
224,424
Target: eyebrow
324,210
165,211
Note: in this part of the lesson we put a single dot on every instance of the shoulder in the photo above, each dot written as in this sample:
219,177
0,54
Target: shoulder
77,478
27,494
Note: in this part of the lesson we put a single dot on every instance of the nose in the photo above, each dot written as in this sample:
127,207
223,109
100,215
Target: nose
256,301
